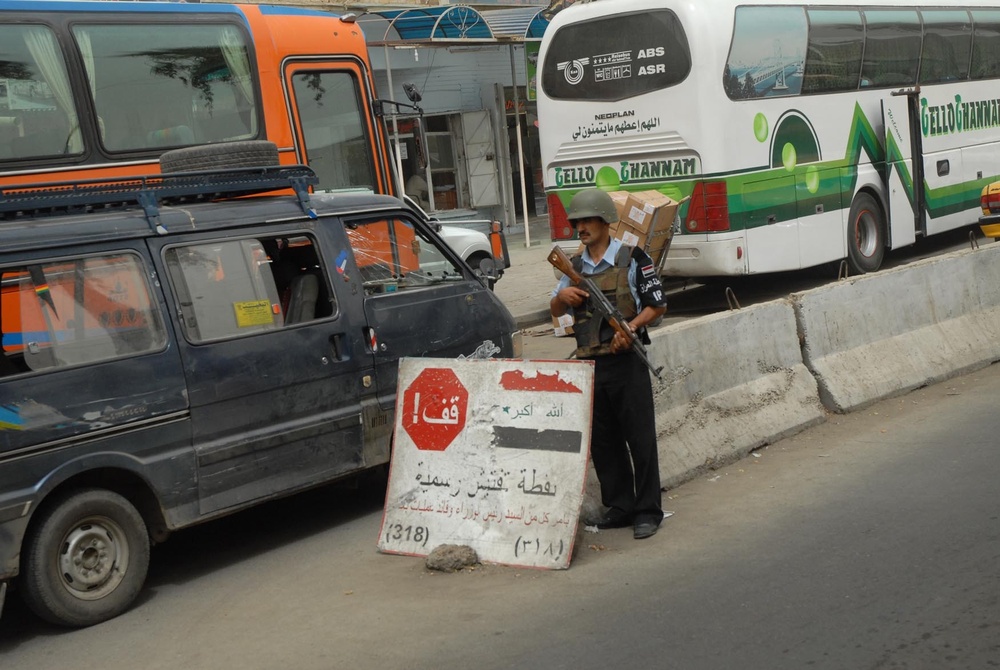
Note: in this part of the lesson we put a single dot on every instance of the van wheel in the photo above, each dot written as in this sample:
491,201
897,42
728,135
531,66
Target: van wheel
250,153
85,560
866,236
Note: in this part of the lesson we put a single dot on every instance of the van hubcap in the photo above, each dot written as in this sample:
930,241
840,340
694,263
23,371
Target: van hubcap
93,558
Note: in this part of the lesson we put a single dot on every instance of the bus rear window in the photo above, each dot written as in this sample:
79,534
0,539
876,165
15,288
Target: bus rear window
158,86
616,57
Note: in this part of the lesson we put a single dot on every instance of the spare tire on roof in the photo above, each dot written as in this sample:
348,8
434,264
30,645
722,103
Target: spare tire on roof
248,153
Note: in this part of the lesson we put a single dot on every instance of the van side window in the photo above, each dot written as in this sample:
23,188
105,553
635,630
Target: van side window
394,254
230,288
76,311
168,85
37,111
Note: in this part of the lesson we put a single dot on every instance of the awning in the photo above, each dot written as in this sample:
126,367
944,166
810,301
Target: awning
457,24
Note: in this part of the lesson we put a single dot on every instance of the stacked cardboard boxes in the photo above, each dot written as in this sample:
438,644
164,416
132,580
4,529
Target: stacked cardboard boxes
646,220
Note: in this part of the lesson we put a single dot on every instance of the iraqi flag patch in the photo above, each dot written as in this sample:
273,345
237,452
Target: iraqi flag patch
648,271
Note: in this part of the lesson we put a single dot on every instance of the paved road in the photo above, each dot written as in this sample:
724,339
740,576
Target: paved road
869,542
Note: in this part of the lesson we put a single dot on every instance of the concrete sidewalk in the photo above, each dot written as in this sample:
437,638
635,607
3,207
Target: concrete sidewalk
526,285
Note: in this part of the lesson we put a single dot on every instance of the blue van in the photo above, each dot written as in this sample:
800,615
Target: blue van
172,353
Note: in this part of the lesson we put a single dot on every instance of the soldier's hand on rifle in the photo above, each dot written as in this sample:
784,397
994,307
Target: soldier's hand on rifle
573,296
622,342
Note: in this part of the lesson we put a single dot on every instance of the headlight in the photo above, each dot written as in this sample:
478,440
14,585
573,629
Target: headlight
517,342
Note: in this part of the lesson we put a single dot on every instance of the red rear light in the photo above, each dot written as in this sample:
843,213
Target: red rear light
990,201
709,208
559,227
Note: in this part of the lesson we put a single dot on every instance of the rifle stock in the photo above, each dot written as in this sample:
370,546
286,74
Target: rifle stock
558,258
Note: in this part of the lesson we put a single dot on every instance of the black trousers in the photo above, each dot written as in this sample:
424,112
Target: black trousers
623,437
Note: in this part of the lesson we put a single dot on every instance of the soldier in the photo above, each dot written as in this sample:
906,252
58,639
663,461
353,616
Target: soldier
623,434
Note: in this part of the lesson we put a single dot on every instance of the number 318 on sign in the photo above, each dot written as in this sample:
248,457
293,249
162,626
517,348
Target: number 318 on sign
397,532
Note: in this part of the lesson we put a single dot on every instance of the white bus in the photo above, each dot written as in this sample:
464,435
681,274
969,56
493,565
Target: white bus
803,133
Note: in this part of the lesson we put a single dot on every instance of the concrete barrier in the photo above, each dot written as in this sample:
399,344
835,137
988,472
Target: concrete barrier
886,334
732,382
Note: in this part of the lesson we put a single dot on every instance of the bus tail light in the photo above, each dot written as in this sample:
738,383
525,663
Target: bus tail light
709,208
559,227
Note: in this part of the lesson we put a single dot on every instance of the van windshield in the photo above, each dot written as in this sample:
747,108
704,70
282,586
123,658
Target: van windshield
394,254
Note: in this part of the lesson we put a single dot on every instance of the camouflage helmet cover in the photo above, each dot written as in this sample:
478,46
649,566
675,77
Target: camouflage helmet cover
592,203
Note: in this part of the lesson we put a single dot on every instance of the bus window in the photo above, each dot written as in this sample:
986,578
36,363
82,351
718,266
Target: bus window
892,47
986,44
337,147
77,311
836,43
168,85
592,60
765,58
947,46
37,112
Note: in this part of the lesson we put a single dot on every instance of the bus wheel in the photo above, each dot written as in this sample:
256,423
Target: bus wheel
249,153
85,559
865,235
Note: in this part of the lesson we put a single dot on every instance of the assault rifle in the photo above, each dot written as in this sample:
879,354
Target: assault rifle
558,258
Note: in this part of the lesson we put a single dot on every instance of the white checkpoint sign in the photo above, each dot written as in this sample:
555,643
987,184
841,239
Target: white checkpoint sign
491,454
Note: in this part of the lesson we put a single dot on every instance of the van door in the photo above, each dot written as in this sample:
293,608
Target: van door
420,301
274,378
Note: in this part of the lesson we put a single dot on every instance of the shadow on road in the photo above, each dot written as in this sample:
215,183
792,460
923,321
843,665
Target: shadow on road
195,552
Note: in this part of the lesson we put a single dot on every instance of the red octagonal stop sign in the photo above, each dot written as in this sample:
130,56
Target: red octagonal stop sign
434,409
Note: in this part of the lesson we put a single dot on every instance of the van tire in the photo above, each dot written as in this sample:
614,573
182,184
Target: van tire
85,558
249,153
866,235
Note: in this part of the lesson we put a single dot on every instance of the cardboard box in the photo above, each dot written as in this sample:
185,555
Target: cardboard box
619,198
648,223
562,326
652,243
647,211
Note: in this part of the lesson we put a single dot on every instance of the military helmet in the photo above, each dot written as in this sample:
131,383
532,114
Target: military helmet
592,202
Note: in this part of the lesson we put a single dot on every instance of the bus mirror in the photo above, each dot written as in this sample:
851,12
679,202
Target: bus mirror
412,94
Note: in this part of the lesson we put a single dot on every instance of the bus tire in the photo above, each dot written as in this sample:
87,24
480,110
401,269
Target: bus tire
85,559
866,235
250,153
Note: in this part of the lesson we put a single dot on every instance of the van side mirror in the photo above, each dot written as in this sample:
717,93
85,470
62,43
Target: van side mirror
488,271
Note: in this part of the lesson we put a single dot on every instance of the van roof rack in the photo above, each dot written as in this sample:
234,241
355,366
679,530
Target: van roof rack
150,191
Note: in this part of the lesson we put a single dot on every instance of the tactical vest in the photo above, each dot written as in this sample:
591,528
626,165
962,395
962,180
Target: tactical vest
593,333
